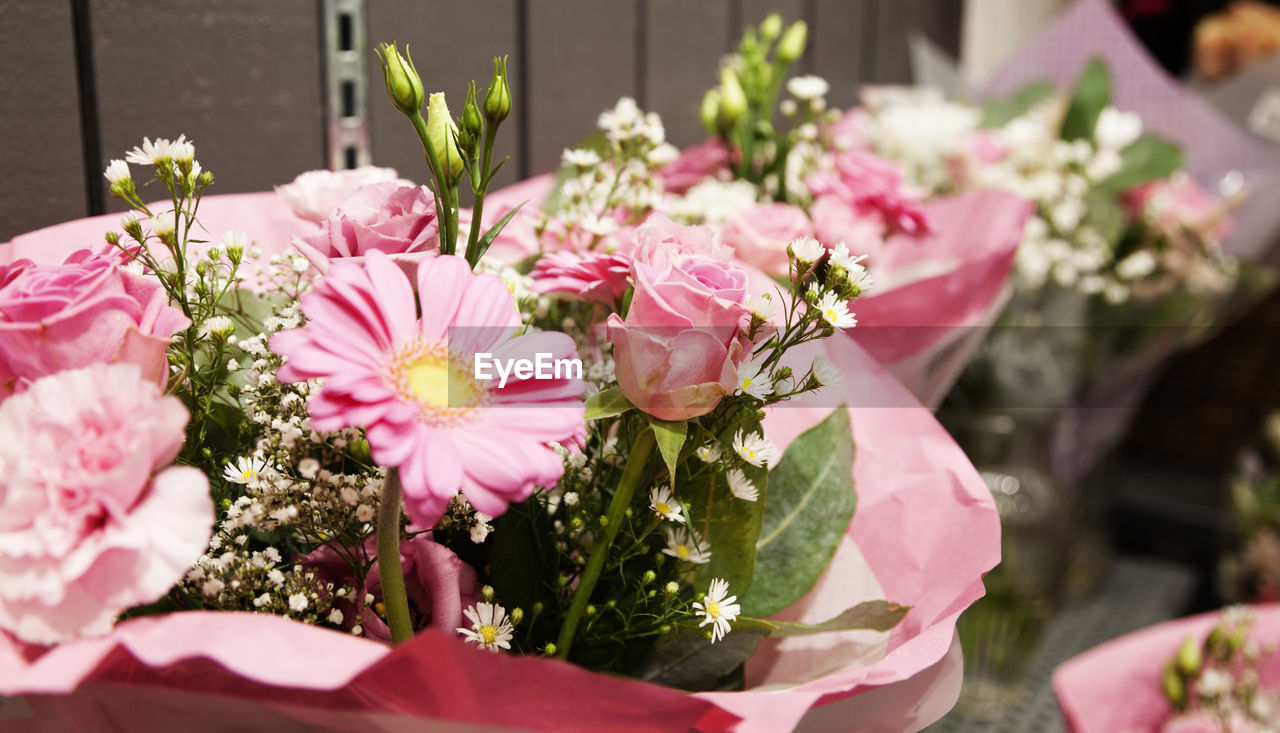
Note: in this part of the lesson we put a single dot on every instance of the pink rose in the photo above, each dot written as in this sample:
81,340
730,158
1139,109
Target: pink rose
85,311
835,221
872,184
761,234
596,277
93,519
709,159
846,132
660,242
315,194
438,584
398,220
678,351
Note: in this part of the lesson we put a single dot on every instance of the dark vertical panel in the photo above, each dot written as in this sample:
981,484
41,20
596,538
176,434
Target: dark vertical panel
44,171
582,56
939,20
242,78
838,50
681,61
452,43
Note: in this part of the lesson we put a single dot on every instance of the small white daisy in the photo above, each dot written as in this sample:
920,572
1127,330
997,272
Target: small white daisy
117,171
763,307
808,87
807,249
753,380
245,470
664,505
741,486
840,257
685,545
755,449
490,627
836,311
718,610
580,158
217,325
827,373
708,453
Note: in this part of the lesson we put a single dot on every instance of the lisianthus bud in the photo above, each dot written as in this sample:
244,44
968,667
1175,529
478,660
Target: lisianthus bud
497,101
733,101
791,47
472,126
443,134
709,114
1189,657
404,86
771,27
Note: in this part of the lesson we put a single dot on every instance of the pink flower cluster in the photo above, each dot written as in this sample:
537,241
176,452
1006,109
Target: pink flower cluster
869,185
394,218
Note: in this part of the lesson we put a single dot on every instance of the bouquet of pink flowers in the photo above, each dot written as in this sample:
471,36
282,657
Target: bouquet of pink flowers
404,455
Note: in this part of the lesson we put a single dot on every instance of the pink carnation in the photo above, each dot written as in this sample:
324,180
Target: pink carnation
85,311
315,194
869,183
395,219
438,584
678,351
1181,200
410,382
93,520
596,277
761,234
708,159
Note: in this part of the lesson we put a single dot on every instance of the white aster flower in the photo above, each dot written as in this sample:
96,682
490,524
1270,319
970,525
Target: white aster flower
245,470
718,610
836,311
840,257
807,249
763,307
808,87
117,171
152,153
827,374
580,158
490,627
708,453
663,154
755,449
664,505
297,603
217,325
753,380
685,545
741,486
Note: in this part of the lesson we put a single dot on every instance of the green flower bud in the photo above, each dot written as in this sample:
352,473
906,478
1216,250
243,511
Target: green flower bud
771,27
648,577
487,593
709,114
1189,657
517,615
472,125
205,178
733,101
1175,690
497,100
537,607
549,649
589,611
791,47
404,86
443,134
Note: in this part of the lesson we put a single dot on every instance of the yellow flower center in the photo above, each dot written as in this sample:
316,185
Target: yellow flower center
830,315
489,633
440,382
682,551
662,508
713,608
746,383
249,475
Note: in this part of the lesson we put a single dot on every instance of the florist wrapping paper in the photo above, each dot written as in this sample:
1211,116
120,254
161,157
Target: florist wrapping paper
1116,686
924,533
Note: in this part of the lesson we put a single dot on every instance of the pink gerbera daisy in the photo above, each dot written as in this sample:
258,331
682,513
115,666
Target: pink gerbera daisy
410,382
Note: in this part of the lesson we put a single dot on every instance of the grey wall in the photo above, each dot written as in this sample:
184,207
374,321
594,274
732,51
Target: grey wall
86,79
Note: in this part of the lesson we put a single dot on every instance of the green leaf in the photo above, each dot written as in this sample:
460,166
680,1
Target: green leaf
670,437
811,501
607,403
1104,215
519,569
1093,93
482,245
1000,112
874,615
728,525
1146,159
688,660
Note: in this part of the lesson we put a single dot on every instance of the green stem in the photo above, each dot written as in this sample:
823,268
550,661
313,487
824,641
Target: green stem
627,485
394,598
